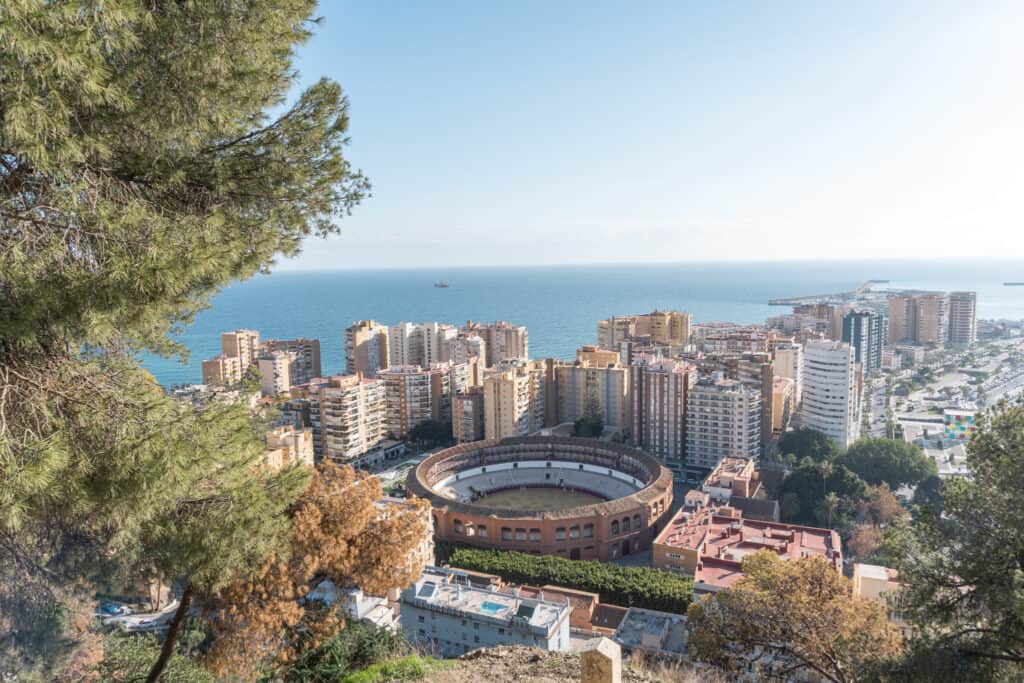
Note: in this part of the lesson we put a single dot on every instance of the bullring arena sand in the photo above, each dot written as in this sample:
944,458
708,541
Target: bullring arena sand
537,498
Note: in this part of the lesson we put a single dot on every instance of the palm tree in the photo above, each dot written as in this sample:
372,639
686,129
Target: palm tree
830,504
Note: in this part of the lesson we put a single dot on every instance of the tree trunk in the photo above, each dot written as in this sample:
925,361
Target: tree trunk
172,636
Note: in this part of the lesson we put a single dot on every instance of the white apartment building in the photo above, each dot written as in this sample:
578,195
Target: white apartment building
446,615
417,394
723,420
831,393
962,318
349,415
276,371
420,343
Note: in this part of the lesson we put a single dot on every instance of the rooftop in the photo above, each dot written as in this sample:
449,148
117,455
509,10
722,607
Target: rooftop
651,630
434,589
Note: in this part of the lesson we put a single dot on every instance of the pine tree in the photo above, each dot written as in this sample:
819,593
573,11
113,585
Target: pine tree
140,171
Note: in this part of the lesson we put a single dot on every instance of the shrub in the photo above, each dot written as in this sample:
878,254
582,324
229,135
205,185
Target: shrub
626,586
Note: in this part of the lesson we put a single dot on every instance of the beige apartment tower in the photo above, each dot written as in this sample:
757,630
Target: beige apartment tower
468,415
351,413
242,344
515,400
366,348
658,392
580,384
306,367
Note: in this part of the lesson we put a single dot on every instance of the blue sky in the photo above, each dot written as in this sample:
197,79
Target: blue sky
565,132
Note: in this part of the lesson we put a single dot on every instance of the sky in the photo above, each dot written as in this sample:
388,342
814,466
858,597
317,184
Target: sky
588,132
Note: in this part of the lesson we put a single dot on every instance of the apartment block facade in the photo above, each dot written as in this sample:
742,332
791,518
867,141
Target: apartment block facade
366,348
348,413
963,327
306,367
515,399
867,332
831,398
580,384
658,394
723,420
468,415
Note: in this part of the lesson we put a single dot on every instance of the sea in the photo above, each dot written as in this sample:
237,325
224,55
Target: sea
560,305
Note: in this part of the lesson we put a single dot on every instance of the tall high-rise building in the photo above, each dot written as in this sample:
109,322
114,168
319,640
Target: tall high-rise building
366,348
866,331
420,343
755,370
605,386
597,357
658,327
239,350
515,399
307,357
962,318
405,344
506,341
932,319
723,420
468,415
784,400
612,331
416,394
222,369
242,344
919,319
658,392
831,397
789,363
348,416
276,371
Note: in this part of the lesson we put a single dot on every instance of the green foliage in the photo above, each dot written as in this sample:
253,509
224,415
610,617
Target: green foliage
626,586
805,491
961,570
591,423
808,443
929,493
356,648
408,668
128,657
432,433
140,171
891,461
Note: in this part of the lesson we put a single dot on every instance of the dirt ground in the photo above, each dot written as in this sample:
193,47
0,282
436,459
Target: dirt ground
528,665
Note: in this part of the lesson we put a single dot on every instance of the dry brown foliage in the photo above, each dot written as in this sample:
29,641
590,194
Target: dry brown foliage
339,533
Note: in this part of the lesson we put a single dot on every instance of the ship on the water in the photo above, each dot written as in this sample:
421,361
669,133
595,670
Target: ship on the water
1013,284
443,284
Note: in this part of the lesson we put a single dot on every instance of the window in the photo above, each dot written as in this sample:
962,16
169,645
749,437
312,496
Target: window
615,528
588,531
481,531
548,464
560,533
520,534
636,521
625,524
501,631
476,626
422,632
421,619
515,466
458,526
506,533
535,535
476,639
574,532
463,622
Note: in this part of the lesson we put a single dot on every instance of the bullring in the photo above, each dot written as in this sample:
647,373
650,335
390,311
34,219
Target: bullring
575,498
